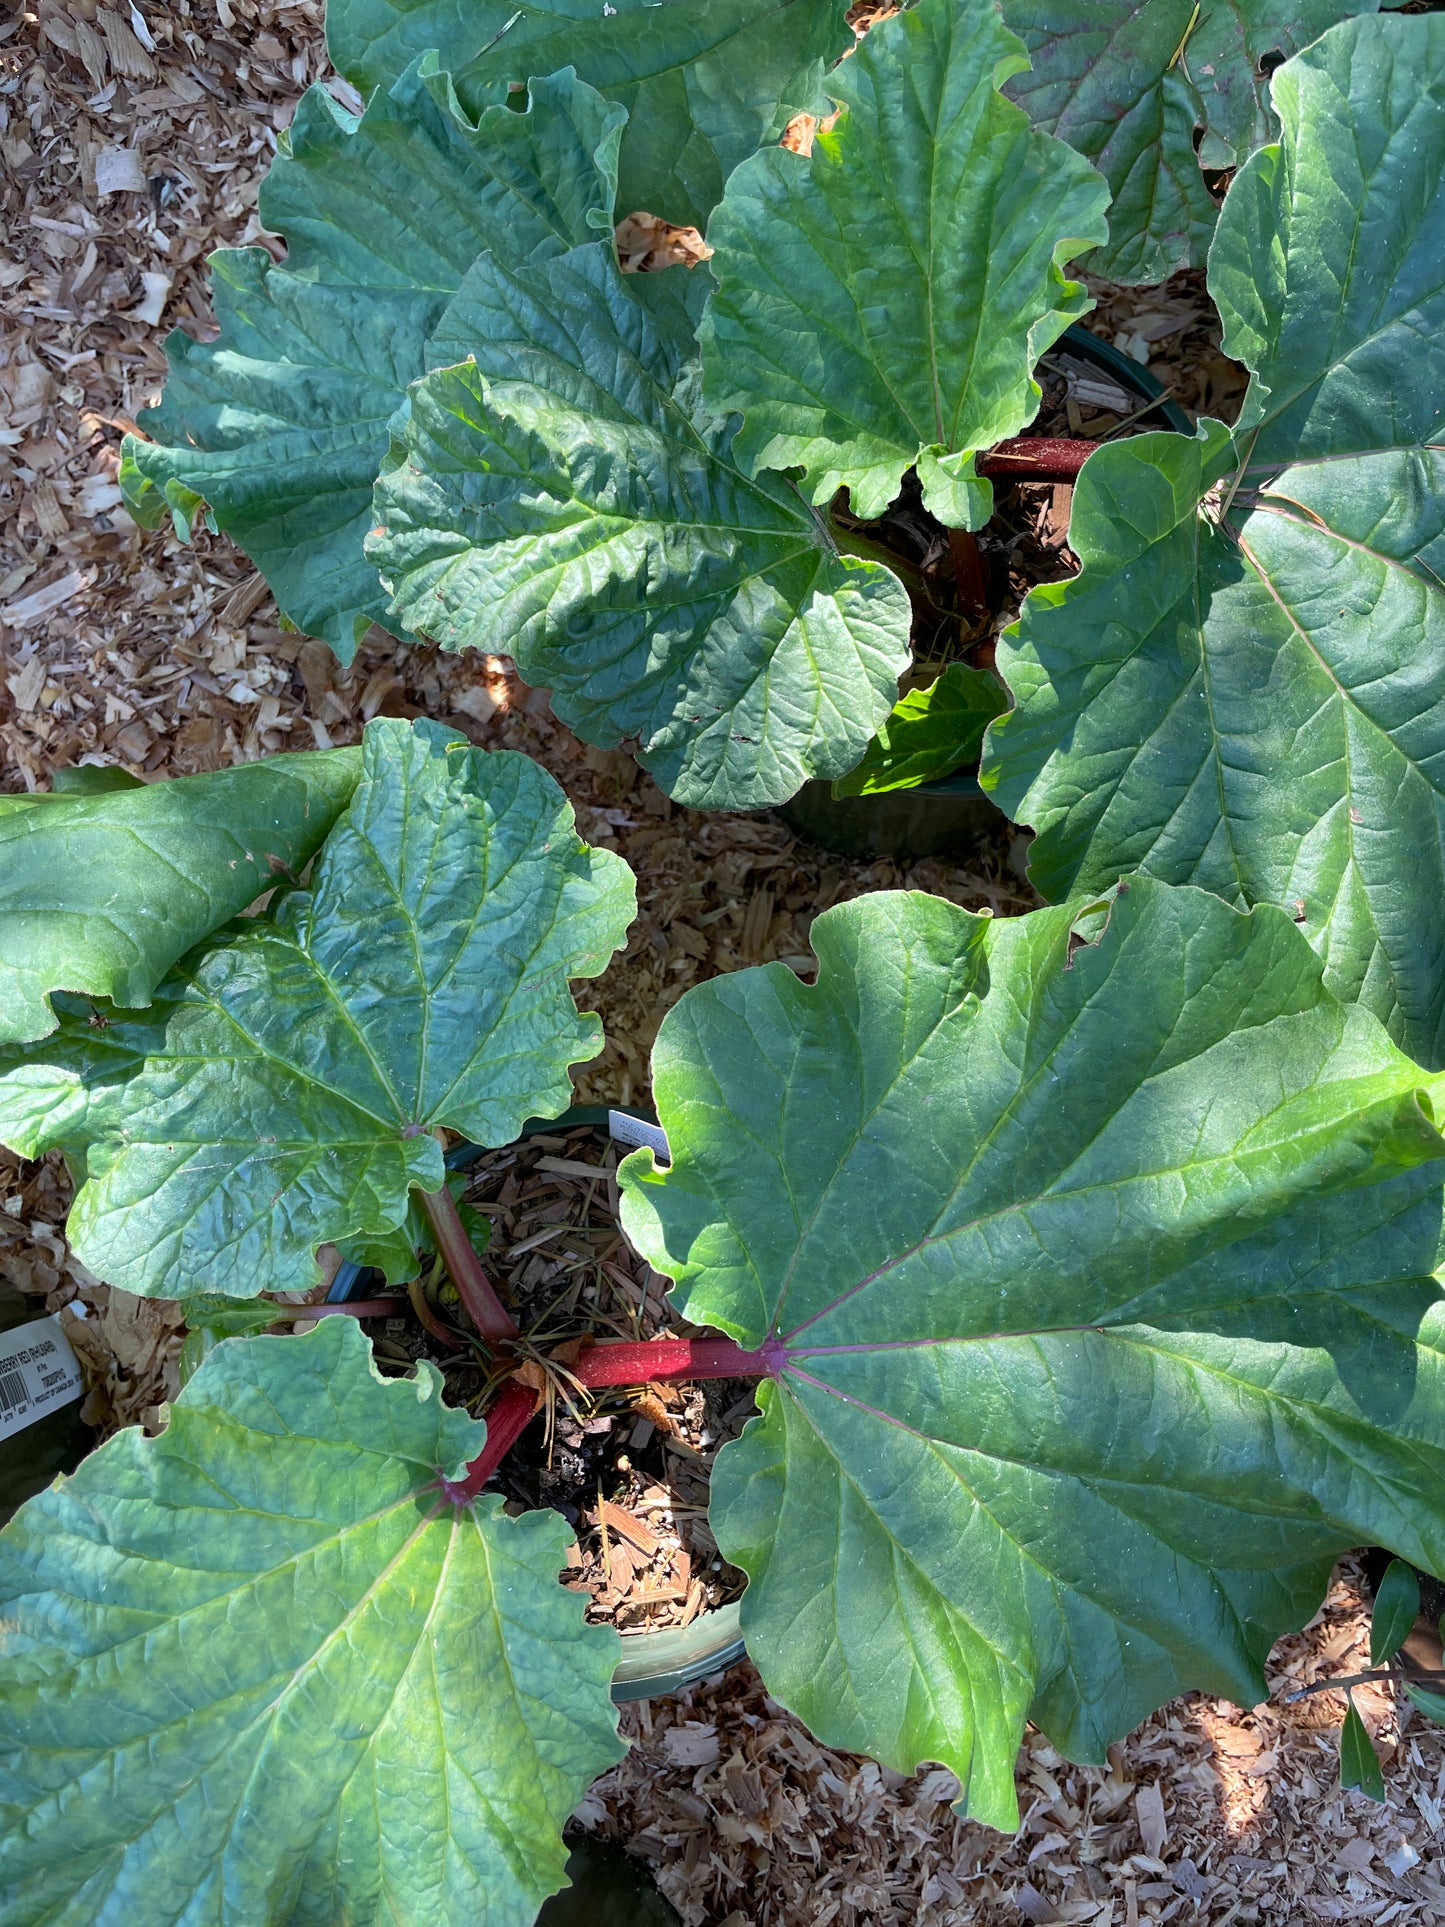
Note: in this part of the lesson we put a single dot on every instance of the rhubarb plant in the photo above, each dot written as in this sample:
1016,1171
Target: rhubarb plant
881,304
1154,92
1244,687
261,1668
1097,1281
1086,1260
566,496
285,1083
928,733
276,430
586,470
583,495
704,82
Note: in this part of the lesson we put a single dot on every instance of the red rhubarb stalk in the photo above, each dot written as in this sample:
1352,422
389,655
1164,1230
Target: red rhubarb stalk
665,1358
1036,458
613,1364
484,1307
967,572
508,1419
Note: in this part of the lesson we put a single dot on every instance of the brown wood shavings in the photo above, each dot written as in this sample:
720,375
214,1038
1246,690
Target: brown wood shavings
1173,331
1206,1813
127,1346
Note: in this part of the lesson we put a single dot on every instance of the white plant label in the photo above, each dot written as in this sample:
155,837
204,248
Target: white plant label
626,1129
38,1374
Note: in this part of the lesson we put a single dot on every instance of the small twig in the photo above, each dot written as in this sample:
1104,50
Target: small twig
1228,502
474,1288
507,26
1139,413
1343,1684
1178,60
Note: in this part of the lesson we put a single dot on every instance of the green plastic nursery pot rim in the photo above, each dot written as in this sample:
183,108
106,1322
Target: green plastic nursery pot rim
652,1664
943,818
1132,374
946,817
665,1662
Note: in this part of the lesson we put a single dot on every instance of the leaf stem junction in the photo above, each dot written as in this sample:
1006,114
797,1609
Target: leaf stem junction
625,1363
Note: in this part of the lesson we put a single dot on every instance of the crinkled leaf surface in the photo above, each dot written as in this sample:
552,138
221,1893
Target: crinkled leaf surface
101,891
569,500
1128,83
705,82
259,1669
399,1255
1101,1282
930,733
1255,700
280,425
282,1088
883,303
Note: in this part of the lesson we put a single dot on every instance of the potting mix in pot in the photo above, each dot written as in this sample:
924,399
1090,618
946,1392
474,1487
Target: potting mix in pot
1006,1319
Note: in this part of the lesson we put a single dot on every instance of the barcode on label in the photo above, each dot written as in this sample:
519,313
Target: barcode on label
38,1374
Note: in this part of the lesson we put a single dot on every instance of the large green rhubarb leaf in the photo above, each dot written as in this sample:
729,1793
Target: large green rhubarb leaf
102,890
884,303
280,426
1154,90
262,1669
1098,1283
283,1087
569,499
705,82
1245,687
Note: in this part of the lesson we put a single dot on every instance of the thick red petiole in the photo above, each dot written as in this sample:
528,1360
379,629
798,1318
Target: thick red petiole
506,1422
664,1358
484,1307
1036,458
620,1364
967,572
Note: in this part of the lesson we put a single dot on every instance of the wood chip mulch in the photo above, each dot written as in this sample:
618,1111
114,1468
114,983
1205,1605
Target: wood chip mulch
132,141
1206,1813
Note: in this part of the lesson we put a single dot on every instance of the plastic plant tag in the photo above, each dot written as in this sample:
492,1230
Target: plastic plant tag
624,1128
38,1374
